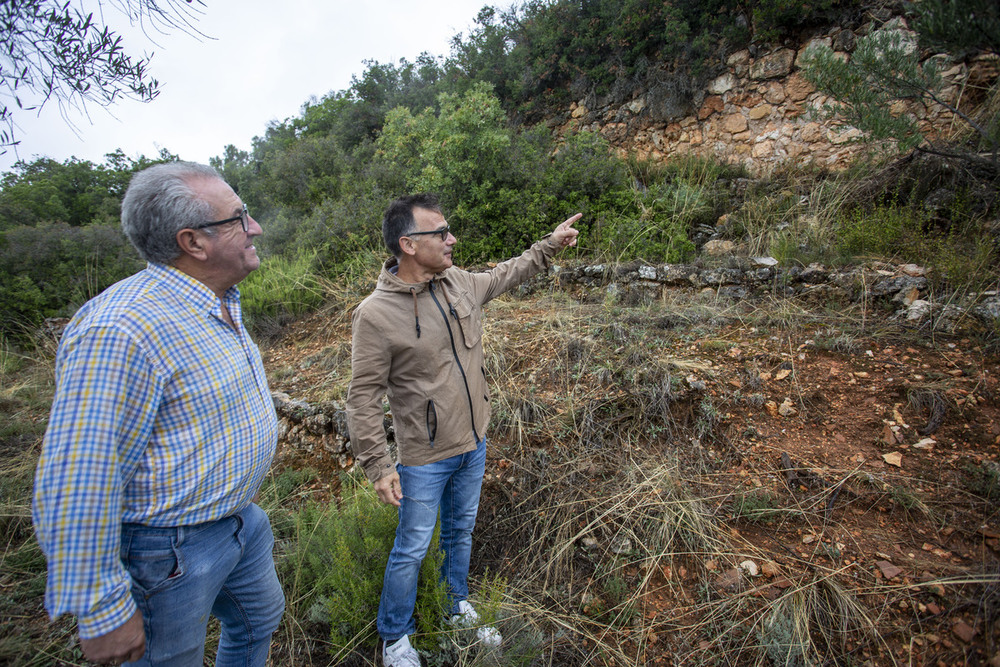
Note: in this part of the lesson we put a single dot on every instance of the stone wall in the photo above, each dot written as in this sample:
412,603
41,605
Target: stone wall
757,113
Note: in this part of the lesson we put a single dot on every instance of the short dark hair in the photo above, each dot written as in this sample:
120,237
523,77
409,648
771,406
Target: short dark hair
398,220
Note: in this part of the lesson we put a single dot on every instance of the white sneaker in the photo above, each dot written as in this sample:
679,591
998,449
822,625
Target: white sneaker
400,654
468,618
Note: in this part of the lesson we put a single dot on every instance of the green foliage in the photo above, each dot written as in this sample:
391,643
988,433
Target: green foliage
613,602
10,361
336,564
51,269
449,151
983,479
76,192
502,189
52,50
819,622
755,507
283,287
959,27
59,238
653,220
878,231
883,69
964,255
541,55
774,18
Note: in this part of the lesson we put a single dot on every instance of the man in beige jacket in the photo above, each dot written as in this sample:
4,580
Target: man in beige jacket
418,339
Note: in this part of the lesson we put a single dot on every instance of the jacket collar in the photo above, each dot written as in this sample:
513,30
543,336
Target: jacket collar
388,281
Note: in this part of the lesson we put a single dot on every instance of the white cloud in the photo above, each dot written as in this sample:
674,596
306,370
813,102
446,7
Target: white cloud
261,62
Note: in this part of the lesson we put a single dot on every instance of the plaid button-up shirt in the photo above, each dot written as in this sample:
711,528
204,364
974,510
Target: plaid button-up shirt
162,416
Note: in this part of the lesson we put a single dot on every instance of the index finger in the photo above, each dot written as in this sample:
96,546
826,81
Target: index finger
569,221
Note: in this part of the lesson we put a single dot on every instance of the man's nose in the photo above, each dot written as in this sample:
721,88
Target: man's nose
254,228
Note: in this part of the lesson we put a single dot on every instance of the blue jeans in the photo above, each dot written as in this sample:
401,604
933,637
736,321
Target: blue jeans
181,575
453,486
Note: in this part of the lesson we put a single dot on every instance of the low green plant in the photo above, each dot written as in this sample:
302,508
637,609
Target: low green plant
756,507
966,258
835,339
815,624
616,603
23,639
907,499
983,480
282,288
333,571
879,231
283,494
707,418
10,361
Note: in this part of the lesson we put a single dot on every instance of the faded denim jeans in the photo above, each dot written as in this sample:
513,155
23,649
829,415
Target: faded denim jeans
451,486
182,575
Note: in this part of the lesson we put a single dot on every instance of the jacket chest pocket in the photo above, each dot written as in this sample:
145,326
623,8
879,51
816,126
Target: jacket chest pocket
470,320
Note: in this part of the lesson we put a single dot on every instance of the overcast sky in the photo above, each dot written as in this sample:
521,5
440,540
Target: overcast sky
260,62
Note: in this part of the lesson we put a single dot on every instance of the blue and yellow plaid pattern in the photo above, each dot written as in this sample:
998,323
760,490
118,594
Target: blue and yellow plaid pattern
162,416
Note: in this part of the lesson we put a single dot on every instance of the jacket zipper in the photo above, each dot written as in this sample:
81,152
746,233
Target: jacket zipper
454,352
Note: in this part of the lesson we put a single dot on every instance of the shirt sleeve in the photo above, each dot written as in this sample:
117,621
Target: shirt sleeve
370,364
99,426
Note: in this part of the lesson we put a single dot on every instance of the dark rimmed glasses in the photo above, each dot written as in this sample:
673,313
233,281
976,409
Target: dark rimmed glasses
243,217
442,232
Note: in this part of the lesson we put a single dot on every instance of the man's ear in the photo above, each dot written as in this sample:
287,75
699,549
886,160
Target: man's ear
192,243
407,245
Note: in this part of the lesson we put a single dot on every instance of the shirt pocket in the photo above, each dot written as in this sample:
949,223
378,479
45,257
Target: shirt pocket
470,320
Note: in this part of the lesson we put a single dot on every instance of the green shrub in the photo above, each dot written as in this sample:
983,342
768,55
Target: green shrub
51,269
879,231
335,567
10,361
653,220
964,258
756,507
983,480
283,287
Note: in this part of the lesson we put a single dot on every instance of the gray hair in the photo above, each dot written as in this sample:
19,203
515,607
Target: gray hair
159,203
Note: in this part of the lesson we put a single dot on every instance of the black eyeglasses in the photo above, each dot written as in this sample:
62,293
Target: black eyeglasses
243,217
442,232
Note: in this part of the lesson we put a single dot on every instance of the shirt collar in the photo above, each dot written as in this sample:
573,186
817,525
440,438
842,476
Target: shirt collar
190,289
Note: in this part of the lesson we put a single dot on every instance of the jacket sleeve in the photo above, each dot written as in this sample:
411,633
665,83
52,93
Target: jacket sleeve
370,363
506,275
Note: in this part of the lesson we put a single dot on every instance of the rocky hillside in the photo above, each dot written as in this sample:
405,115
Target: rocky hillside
758,112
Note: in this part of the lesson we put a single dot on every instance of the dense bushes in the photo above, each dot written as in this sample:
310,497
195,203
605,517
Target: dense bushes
51,269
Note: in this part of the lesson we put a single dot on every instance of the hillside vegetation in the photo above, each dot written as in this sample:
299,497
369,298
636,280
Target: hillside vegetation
685,475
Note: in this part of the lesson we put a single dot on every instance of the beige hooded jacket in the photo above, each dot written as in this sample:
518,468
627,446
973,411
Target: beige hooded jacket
422,346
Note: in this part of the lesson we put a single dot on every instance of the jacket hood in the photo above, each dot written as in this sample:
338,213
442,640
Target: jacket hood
388,281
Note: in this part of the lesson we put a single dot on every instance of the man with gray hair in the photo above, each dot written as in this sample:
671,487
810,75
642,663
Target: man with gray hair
161,432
